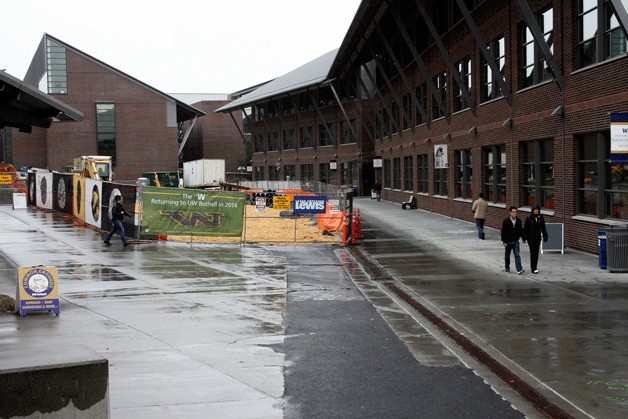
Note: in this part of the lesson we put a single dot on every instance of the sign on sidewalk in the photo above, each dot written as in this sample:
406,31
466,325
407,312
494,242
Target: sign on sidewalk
38,289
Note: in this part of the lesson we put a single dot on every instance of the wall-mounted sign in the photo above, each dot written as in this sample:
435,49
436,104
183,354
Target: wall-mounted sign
377,162
281,202
619,137
310,204
333,165
440,156
37,289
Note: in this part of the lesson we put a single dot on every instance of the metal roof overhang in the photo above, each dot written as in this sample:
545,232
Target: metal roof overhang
22,106
311,74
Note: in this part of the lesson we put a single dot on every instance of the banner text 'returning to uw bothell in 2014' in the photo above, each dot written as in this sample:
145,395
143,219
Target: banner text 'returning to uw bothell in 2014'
192,212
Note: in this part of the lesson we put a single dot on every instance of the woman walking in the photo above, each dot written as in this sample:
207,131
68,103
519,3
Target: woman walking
535,231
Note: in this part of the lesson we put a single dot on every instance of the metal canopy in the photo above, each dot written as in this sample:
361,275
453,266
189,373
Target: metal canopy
22,106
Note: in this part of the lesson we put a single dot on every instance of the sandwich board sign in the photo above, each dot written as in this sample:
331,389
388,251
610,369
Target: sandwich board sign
38,290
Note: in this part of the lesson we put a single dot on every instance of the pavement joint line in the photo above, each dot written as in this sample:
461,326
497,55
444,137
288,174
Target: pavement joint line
525,390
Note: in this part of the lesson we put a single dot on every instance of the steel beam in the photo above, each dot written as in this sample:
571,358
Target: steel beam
381,98
621,13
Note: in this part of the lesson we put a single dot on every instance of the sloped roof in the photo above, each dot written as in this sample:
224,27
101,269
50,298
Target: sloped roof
22,106
184,111
310,74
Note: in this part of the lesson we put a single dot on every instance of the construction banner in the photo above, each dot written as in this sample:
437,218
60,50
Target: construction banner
78,191
168,211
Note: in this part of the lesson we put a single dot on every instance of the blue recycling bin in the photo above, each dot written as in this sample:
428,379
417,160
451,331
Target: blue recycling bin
601,244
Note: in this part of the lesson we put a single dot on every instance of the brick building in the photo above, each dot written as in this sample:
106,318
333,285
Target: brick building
511,98
139,126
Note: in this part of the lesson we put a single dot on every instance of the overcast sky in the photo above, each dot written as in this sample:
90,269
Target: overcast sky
183,46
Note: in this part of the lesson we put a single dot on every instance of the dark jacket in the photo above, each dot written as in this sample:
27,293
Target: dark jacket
512,233
535,226
118,212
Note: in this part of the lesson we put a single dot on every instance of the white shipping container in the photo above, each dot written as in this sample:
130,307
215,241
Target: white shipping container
203,173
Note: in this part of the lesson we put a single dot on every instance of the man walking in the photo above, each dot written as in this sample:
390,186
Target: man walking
479,209
117,215
512,231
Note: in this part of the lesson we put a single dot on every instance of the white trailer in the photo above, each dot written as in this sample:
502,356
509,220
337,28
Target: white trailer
203,173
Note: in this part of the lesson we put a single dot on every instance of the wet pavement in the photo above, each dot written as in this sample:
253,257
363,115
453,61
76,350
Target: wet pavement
192,329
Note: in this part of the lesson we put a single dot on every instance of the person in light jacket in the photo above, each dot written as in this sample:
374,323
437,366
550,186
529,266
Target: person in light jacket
535,231
479,208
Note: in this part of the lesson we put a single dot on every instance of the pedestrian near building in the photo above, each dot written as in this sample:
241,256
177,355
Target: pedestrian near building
479,208
117,215
535,231
511,232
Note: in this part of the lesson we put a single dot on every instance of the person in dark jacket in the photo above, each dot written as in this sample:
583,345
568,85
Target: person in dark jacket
534,230
117,215
512,231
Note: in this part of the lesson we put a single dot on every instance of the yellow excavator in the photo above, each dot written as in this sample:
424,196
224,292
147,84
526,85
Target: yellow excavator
94,167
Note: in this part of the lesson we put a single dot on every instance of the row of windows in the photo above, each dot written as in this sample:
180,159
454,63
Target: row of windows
600,37
271,141
602,189
348,172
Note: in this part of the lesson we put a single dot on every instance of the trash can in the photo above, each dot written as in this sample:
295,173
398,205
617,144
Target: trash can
601,246
617,249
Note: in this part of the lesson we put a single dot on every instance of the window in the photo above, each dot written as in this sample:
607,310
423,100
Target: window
6,145
602,184
378,125
325,134
324,173
440,182
440,81
307,172
532,66
537,173
387,173
421,95
494,176
490,88
346,137
407,111
106,130
423,173
259,173
290,172
408,174
395,118
464,174
273,141
349,172
288,139
600,36
56,68
258,143
396,176
464,69
273,171
306,139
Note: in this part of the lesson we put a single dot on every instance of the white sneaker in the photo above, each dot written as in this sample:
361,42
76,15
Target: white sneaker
521,271
536,271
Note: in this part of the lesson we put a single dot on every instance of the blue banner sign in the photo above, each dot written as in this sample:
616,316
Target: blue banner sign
619,137
310,204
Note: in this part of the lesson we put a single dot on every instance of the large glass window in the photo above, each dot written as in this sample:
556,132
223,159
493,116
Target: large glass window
273,141
259,173
290,172
307,172
395,117
273,171
106,130
324,174
258,143
602,184
440,181
423,173
440,81
464,174
407,111
306,138
349,172
397,173
600,35
537,171
464,69
56,69
490,87
345,132
325,134
387,173
408,174
532,66
288,139
494,175
421,95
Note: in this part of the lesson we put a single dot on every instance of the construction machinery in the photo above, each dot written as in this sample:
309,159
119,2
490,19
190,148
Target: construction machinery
94,167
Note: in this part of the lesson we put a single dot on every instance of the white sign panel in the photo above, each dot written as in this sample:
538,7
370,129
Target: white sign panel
93,198
440,156
44,189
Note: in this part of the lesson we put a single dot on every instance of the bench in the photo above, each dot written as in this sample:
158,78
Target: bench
60,382
411,202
